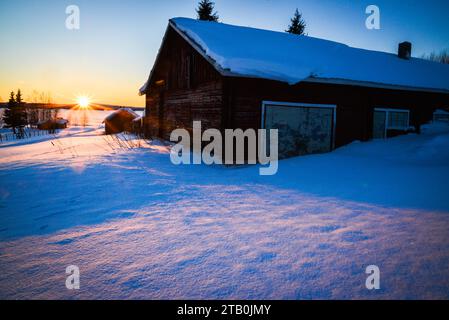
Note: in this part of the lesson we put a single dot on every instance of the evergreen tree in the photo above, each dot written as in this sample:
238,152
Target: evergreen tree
12,99
19,100
21,113
8,115
15,116
298,25
206,12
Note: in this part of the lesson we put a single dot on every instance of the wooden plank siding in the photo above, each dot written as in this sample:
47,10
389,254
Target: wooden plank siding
192,90
355,104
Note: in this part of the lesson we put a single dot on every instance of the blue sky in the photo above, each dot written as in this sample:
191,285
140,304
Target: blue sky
113,52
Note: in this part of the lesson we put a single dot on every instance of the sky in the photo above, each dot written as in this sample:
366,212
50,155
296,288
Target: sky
111,55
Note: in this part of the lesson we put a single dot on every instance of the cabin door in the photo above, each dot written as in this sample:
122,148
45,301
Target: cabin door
302,128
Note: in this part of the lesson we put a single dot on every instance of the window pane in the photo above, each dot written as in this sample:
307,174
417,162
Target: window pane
397,120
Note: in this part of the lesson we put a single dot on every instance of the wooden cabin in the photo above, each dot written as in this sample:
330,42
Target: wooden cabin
319,94
119,121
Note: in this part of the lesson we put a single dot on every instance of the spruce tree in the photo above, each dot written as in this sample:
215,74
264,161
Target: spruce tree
12,99
298,25
15,115
21,114
206,12
9,117
19,100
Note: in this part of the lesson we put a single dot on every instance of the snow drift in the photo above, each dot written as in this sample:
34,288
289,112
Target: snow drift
140,227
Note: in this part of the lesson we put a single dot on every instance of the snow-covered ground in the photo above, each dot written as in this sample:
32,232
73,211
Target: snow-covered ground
139,227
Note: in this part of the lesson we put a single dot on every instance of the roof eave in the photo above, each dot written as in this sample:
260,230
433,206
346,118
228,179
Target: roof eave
377,85
200,50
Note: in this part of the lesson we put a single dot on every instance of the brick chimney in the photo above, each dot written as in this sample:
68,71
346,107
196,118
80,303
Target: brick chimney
405,50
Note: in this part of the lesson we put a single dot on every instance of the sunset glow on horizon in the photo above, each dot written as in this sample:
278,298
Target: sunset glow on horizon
112,53
83,102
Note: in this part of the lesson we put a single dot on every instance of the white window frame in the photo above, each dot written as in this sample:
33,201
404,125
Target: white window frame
387,118
440,113
266,103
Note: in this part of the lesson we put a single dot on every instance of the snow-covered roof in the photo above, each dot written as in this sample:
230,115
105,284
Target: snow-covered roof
143,88
249,52
127,110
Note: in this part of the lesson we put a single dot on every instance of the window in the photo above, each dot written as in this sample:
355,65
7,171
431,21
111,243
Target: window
441,116
398,120
389,119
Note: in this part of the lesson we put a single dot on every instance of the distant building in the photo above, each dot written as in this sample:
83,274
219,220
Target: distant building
120,120
441,116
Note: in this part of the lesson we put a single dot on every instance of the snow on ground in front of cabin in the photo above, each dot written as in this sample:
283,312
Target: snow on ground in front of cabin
139,227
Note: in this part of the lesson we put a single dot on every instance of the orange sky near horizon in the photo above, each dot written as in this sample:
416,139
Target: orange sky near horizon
105,59
64,89
110,57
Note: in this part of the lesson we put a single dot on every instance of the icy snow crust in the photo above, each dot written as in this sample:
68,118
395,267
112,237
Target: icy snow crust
289,58
139,227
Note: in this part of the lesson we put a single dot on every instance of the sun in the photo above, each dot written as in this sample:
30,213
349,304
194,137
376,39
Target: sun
83,102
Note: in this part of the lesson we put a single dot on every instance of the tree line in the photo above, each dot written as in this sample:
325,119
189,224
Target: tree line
15,115
442,57
18,115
